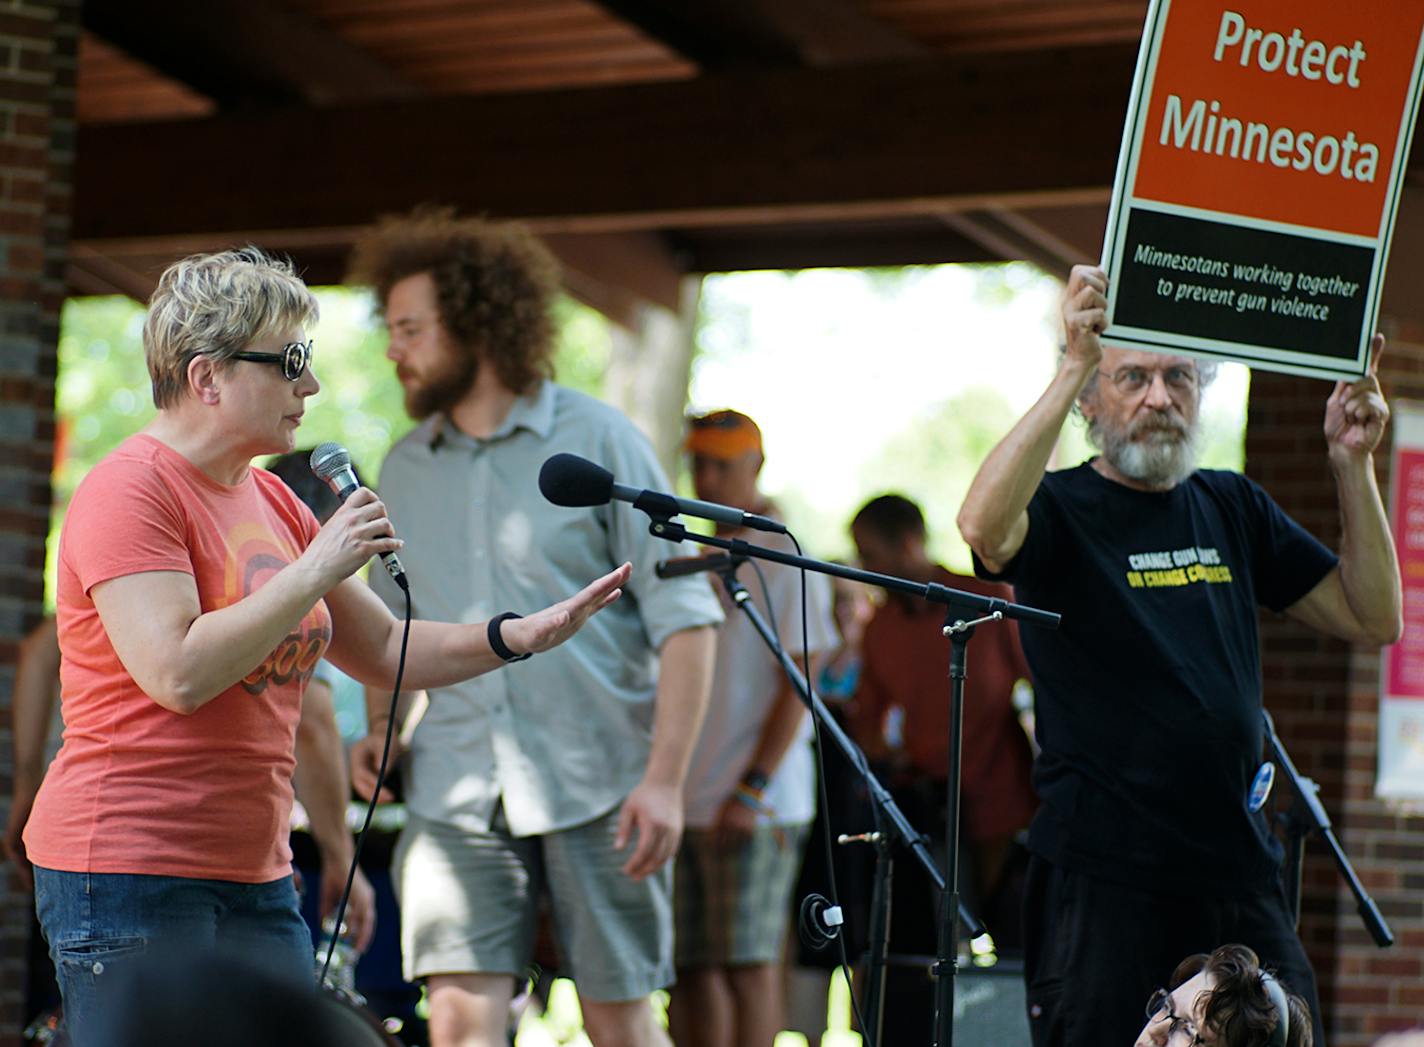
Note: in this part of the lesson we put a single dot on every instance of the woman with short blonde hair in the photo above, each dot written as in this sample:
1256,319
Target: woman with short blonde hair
195,596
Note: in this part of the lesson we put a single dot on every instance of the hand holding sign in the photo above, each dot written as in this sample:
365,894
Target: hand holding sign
1085,307
1356,413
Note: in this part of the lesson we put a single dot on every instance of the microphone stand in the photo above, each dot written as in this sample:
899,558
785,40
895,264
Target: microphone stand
886,810
1306,815
957,604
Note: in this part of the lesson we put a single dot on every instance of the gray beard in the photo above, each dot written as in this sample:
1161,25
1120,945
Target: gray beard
1163,459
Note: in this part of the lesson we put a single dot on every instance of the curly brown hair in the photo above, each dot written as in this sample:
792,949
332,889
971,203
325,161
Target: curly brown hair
1239,1010
494,285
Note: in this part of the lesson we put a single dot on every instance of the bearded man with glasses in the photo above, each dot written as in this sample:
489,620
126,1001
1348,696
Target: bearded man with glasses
1148,699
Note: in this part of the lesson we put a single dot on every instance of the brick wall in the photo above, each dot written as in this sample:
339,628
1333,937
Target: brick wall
38,49
1324,697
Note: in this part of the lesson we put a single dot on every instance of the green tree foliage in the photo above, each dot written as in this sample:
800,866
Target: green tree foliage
934,458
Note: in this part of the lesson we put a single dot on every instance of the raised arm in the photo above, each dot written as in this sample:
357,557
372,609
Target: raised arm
1360,599
994,516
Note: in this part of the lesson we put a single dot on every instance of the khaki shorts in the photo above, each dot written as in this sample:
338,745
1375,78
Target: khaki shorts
734,904
470,905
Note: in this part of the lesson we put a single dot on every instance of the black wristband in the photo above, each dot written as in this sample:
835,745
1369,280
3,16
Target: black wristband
496,642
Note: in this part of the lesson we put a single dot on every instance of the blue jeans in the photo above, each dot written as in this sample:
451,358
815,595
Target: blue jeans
99,924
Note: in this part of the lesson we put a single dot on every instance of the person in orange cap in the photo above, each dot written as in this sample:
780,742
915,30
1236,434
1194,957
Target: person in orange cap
750,794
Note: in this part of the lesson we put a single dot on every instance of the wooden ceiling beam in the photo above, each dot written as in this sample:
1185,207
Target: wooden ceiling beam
1007,235
726,34
1062,251
636,263
244,53
783,145
90,273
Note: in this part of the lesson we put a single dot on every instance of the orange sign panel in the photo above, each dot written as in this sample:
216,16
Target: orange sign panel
1262,162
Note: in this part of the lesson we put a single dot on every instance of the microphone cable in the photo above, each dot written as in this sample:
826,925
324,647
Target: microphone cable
375,793
826,834
827,837
765,592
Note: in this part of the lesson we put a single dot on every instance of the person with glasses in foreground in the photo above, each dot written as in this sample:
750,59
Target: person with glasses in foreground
1148,698
195,596
1225,1000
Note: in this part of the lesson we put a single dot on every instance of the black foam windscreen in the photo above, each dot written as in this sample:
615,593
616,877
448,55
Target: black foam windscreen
568,480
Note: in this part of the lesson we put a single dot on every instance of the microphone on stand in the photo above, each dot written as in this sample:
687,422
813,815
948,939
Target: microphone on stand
685,565
568,480
332,464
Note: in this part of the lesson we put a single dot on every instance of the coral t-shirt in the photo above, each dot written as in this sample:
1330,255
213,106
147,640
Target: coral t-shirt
137,788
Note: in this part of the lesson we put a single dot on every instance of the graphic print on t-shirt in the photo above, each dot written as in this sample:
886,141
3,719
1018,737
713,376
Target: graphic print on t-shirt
254,555
1170,568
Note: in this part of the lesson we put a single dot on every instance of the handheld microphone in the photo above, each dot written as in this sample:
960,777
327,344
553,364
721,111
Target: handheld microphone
571,481
685,565
332,463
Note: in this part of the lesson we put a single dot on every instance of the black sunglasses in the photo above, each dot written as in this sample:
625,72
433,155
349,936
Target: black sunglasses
294,358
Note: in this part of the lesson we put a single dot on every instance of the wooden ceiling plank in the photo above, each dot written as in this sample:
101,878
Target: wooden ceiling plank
639,262
507,20
611,48
241,52
724,34
707,41
831,32
413,27
462,79
89,272
1007,25
1067,253
987,228
331,9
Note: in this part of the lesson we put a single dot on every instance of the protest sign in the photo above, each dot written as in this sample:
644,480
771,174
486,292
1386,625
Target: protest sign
1262,161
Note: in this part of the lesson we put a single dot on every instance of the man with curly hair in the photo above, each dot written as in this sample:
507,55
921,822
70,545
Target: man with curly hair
562,776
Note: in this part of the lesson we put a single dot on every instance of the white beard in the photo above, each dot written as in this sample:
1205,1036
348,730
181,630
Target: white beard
1162,458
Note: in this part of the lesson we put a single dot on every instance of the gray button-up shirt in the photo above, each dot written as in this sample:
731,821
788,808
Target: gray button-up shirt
563,737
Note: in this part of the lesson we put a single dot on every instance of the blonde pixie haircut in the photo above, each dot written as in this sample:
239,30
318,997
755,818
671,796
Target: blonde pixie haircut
218,304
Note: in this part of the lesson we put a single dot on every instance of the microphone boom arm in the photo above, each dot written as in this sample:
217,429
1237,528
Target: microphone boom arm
978,606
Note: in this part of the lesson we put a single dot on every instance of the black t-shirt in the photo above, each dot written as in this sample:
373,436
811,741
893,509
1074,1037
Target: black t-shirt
1148,696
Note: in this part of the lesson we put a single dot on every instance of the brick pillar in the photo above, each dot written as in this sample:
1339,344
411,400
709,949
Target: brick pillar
1324,697
38,51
